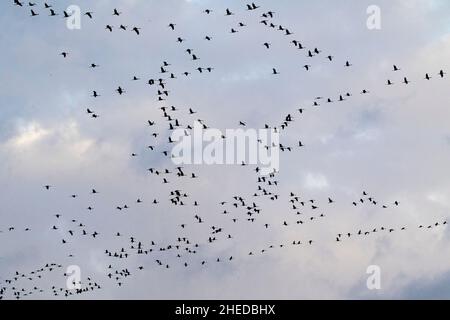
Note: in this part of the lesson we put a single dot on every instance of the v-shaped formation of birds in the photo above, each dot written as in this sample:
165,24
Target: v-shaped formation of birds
183,251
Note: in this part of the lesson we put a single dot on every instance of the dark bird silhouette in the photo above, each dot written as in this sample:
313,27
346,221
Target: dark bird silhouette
136,29
228,12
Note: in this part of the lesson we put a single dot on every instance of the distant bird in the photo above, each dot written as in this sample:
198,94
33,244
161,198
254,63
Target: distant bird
120,91
252,6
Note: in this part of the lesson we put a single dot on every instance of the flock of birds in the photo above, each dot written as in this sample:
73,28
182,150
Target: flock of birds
184,250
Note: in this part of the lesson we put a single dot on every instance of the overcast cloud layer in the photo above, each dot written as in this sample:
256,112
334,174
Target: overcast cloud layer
393,143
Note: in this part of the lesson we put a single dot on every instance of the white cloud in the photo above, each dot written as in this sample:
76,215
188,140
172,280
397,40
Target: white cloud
27,135
315,181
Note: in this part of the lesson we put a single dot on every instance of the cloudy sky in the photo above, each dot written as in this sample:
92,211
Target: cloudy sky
393,143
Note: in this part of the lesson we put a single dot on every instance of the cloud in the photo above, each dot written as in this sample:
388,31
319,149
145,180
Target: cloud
316,181
28,135
390,143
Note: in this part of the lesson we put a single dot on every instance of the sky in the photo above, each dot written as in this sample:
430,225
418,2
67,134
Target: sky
393,143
